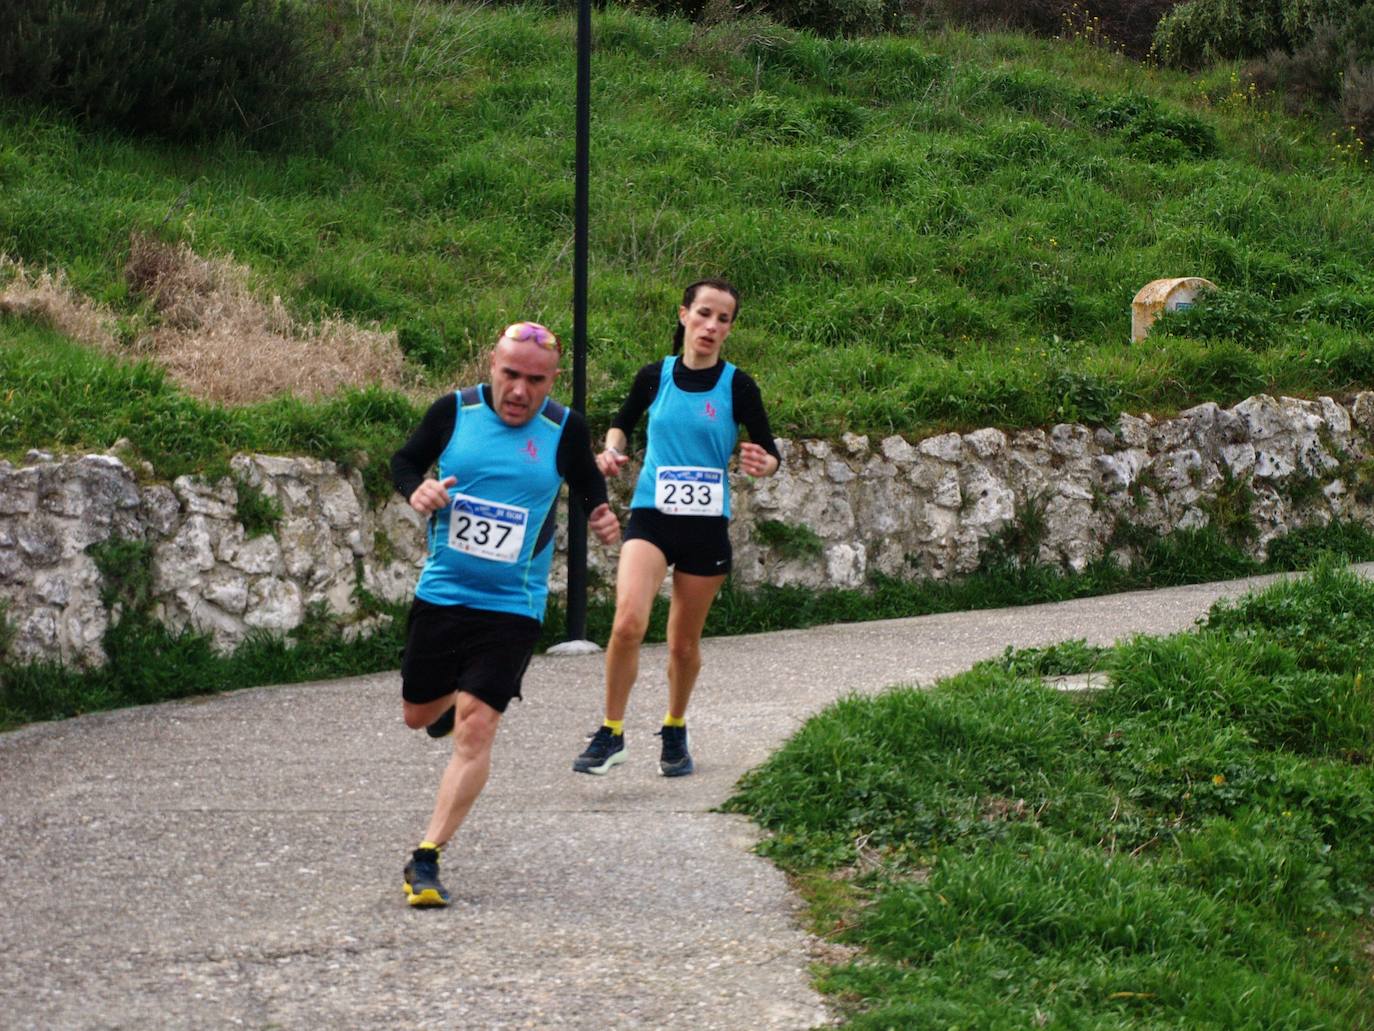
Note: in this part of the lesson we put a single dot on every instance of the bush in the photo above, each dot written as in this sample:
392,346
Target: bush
823,17
1129,24
179,69
1357,100
1221,315
1199,32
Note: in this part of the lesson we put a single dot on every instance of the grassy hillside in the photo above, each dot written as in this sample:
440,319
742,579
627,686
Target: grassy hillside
930,232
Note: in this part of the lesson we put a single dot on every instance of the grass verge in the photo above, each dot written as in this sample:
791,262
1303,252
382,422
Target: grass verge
1192,847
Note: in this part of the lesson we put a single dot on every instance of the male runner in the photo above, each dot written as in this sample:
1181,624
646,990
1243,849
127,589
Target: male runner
502,451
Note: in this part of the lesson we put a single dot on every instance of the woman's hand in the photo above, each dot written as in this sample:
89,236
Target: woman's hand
611,461
755,461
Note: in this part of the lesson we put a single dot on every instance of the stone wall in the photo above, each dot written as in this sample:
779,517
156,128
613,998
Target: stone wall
836,513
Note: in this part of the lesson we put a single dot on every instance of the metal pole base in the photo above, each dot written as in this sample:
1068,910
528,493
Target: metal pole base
574,648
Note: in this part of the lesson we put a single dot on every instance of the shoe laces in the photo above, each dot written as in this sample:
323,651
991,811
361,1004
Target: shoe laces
426,860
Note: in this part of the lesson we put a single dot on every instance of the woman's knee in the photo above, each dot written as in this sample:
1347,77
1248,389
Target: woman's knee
629,628
685,652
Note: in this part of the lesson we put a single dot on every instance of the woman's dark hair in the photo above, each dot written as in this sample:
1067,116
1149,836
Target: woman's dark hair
690,294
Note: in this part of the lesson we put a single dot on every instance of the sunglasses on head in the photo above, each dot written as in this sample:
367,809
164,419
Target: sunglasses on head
544,337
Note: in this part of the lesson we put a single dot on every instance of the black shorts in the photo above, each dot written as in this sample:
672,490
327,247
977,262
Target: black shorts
694,544
455,648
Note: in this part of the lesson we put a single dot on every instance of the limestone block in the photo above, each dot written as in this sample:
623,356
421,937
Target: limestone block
1273,464
338,503
947,493
40,541
1179,469
846,565
1335,416
273,604
252,555
227,591
1069,440
854,443
989,503
838,472
1362,410
18,491
13,567
179,564
160,509
896,449
52,589
198,498
1133,432
1117,472
986,443
1262,417
948,447
1239,460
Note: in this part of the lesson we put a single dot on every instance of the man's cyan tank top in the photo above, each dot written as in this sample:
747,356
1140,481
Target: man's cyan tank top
491,549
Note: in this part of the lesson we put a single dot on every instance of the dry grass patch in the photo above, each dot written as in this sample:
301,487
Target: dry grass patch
222,343
48,298
217,339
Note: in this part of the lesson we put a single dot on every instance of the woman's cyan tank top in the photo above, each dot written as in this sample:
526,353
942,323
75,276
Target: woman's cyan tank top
691,437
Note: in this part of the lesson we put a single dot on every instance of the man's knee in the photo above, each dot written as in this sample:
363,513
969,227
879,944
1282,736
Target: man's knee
421,715
476,722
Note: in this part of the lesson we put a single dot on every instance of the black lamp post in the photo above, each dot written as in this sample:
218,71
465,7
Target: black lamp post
577,521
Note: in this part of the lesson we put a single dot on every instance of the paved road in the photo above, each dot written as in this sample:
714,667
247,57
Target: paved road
234,861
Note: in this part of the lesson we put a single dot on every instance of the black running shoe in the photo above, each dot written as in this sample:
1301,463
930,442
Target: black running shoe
422,879
674,760
443,726
606,749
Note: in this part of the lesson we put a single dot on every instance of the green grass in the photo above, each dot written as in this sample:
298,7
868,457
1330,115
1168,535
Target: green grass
951,226
1188,848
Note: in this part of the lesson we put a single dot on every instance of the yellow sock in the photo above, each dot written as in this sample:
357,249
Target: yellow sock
674,721
617,726
430,844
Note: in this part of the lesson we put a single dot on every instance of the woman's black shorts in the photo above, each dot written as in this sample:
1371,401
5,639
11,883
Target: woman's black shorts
455,648
694,544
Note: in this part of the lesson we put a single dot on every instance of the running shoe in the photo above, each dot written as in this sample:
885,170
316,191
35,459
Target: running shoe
443,726
674,760
604,750
422,879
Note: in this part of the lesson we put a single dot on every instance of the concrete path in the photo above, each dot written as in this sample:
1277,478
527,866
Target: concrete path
234,861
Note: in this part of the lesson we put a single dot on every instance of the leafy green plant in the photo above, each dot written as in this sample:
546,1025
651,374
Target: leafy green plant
255,511
1246,318
791,540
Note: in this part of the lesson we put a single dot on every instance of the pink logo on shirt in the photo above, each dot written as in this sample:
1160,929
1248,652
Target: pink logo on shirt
531,450
710,410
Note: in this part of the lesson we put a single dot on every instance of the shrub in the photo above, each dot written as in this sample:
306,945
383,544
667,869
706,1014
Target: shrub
1202,31
1221,315
179,69
1129,24
1357,99
1197,33
824,17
